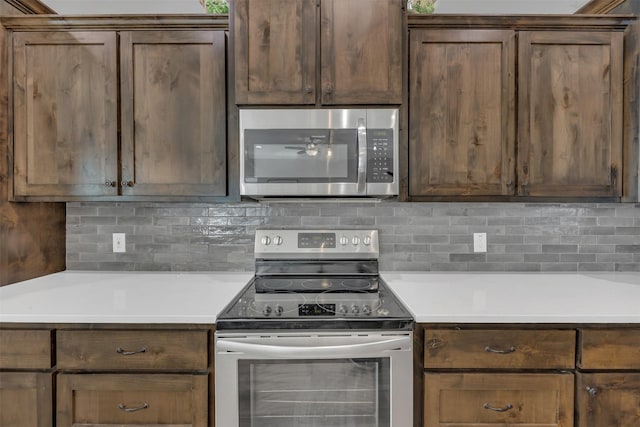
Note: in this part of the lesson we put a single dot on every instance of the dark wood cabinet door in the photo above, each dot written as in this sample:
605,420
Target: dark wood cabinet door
461,113
570,114
65,113
173,113
608,399
26,399
275,51
361,51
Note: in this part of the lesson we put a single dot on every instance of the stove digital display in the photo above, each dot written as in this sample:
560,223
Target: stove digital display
316,309
317,240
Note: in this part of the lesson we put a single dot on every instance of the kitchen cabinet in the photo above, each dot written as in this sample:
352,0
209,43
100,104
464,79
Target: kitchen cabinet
132,377
327,52
570,113
608,393
131,113
505,109
26,379
498,377
461,113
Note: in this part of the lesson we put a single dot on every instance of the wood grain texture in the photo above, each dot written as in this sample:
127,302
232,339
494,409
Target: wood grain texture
94,399
26,399
570,114
173,113
274,51
32,236
163,350
25,349
608,399
609,349
479,349
462,113
65,113
459,399
361,52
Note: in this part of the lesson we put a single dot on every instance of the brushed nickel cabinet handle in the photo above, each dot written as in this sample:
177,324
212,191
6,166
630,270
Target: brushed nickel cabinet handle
328,90
123,352
124,407
110,183
489,349
308,89
127,183
593,391
496,409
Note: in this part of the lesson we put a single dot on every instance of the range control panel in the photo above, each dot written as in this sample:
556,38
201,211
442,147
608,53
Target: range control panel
309,244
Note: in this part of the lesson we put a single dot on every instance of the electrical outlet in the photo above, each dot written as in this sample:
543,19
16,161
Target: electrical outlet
479,242
119,242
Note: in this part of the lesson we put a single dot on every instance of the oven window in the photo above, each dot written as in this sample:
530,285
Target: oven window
316,393
301,155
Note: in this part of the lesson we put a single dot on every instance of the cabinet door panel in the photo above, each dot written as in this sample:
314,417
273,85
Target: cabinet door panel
570,114
173,113
361,52
461,118
65,113
608,400
26,399
609,349
25,349
107,399
275,51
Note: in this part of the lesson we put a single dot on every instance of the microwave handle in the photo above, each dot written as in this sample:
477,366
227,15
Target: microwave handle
362,156
332,351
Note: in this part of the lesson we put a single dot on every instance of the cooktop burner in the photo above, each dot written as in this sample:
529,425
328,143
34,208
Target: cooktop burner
303,282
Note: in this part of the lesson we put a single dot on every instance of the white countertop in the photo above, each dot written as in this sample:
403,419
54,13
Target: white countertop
519,297
196,298
120,297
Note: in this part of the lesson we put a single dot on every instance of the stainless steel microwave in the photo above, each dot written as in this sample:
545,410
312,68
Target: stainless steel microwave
318,152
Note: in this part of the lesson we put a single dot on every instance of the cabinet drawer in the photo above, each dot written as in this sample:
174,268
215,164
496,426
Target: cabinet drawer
610,349
516,349
25,349
26,399
122,399
132,350
498,399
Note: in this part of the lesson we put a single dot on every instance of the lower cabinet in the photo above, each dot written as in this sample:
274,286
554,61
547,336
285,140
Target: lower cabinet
136,400
26,399
471,399
608,399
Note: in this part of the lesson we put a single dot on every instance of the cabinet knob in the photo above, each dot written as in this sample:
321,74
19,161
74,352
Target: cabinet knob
308,89
127,183
593,391
328,90
109,183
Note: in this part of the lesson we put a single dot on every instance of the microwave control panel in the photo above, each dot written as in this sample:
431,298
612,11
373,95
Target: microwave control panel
379,155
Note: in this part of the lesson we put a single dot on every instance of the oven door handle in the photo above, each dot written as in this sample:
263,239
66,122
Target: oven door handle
331,351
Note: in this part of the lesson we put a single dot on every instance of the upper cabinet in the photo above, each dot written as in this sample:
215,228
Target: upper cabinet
120,113
570,113
503,108
327,52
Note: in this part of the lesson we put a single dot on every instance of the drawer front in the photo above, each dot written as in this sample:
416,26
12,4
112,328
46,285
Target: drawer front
503,349
26,399
132,350
25,349
462,399
121,399
610,349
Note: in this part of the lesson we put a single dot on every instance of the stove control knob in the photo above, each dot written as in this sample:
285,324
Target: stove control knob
267,310
344,240
355,309
266,240
355,240
367,240
342,309
278,240
366,309
279,310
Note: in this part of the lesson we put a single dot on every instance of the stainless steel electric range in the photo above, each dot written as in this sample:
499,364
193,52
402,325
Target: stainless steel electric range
316,338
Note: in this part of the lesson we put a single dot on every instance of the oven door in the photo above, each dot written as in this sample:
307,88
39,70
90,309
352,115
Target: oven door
309,379
303,152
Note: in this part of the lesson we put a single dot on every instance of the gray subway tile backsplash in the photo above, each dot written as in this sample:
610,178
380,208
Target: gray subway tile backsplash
554,237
